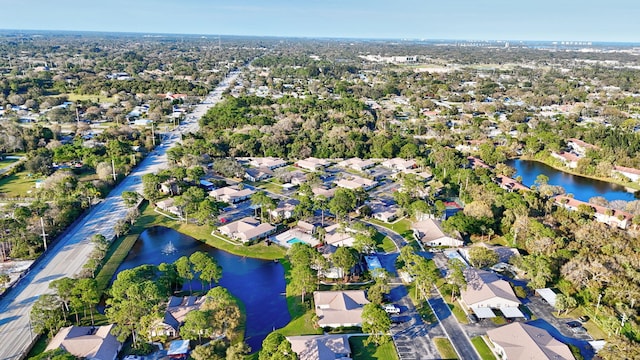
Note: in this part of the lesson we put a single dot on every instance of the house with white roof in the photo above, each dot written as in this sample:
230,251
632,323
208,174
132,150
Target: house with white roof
356,182
339,308
231,194
258,174
399,164
357,164
337,235
270,163
486,291
430,233
321,347
247,229
87,342
313,164
523,341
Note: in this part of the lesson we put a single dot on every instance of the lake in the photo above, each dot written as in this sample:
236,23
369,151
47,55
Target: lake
581,187
259,284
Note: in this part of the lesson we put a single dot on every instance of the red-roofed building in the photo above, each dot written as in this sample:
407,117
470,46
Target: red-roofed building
631,173
510,184
602,214
570,160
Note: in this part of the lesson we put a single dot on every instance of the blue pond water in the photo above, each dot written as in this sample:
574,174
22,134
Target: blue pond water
259,284
581,187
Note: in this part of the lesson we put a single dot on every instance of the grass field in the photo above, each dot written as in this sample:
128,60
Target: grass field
360,351
482,348
17,185
445,348
6,162
95,98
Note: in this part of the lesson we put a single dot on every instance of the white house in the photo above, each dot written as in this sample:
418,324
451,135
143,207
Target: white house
321,347
356,182
247,229
357,164
258,174
524,341
268,162
399,164
339,308
486,291
313,164
87,342
430,233
231,194
631,173
568,159
285,209
609,216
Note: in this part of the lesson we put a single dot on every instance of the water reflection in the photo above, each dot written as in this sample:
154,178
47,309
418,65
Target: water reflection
581,187
259,284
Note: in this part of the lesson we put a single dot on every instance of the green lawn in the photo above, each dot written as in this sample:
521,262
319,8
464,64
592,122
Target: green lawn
95,98
384,243
445,348
203,233
17,184
6,162
302,315
457,311
482,348
360,351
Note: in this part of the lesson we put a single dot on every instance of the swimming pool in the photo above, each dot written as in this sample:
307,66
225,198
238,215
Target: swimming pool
294,240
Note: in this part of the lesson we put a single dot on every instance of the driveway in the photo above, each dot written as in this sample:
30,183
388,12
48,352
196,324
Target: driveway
413,337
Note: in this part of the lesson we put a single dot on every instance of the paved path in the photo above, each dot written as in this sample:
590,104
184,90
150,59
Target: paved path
70,252
458,337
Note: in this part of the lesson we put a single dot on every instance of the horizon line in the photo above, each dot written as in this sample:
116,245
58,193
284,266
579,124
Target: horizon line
407,39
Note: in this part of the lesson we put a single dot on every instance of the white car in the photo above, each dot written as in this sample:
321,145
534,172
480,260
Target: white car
391,309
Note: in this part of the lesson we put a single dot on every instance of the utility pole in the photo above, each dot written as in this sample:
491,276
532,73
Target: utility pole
113,169
77,116
44,235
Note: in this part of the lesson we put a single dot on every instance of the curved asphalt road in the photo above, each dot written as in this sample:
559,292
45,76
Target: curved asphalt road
70,252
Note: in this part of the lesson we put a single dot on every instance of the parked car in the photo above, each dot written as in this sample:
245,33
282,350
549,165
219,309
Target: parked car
473,318
391,309
584,318
574,324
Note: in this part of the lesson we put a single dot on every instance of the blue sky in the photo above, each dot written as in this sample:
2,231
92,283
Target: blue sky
585,20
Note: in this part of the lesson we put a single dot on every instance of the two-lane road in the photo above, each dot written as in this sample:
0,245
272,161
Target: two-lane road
67,257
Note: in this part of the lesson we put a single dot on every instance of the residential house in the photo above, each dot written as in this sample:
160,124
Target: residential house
609,216
356,182
510,184
313,164
357,164
306,227
321,347
486,291
87,342
231,194
430,233
568,159
476,163
169,206
339,308
327,193
631,173
580,147
297,177
285,209
519,341
270,163
399,164
259,174
174,316
336,235
247,229
383,211
170,187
